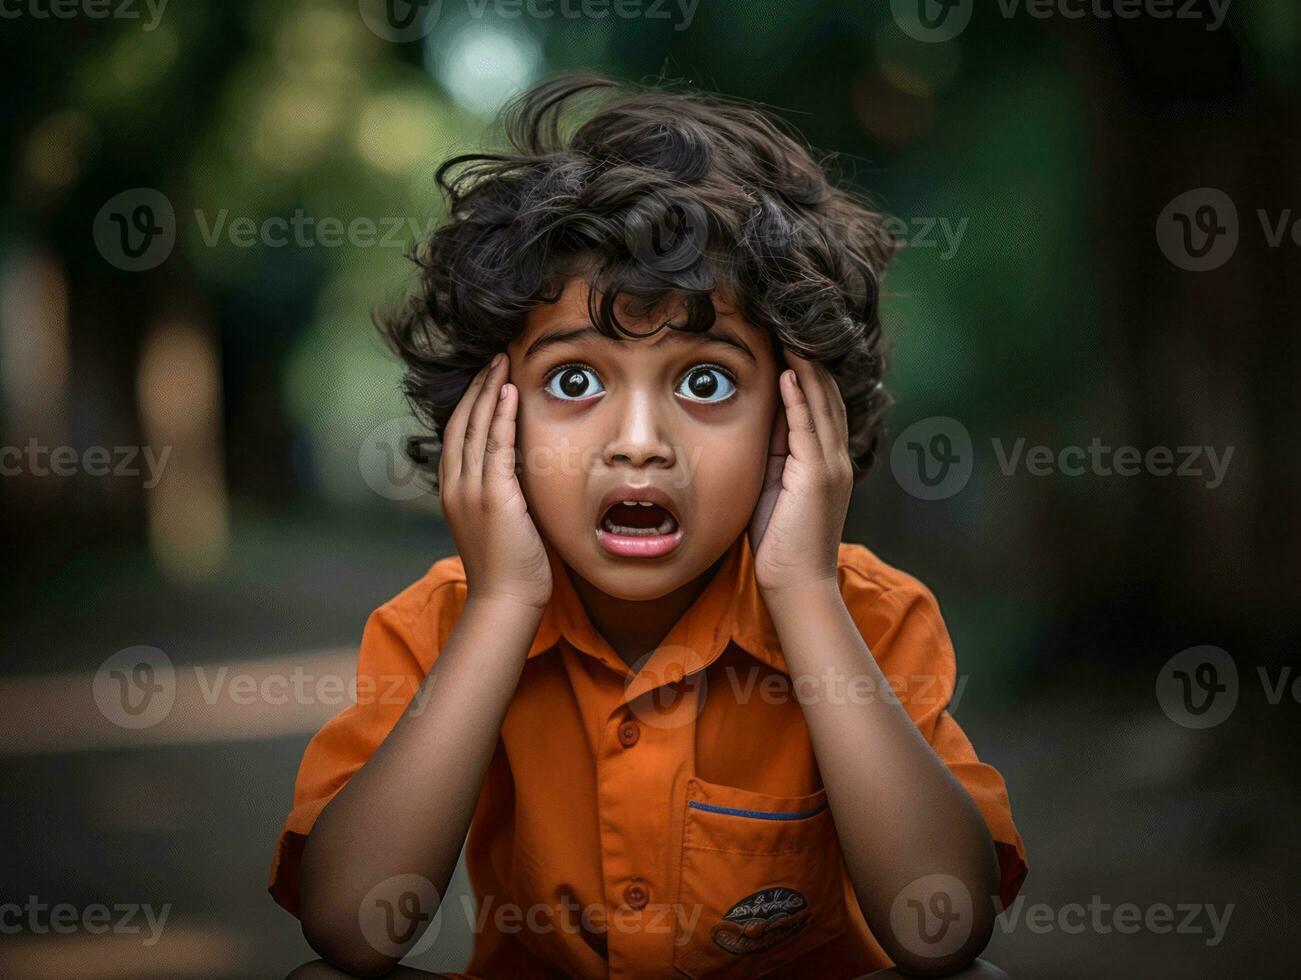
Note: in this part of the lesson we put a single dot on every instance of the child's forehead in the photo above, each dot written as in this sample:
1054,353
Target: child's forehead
569,314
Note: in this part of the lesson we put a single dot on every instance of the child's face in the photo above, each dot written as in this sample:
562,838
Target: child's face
654,412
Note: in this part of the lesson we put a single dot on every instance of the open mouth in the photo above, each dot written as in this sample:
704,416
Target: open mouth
638,518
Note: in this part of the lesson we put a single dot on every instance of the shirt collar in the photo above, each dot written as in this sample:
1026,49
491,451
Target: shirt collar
729,609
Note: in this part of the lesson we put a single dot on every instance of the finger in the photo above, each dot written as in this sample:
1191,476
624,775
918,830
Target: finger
802,434
815,380
499,451
454,431
837,402
481,413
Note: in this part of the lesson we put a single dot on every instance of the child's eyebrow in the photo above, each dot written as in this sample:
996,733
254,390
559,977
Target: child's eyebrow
715,335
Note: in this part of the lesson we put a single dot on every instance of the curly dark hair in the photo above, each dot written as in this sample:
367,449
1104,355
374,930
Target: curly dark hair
663,193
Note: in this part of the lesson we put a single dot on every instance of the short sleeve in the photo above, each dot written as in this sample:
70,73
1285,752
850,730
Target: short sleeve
902,627
399,644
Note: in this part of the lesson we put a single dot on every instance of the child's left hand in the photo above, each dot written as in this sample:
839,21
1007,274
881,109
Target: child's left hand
797,525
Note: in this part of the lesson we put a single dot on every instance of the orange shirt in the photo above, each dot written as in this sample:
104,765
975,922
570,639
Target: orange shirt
635,820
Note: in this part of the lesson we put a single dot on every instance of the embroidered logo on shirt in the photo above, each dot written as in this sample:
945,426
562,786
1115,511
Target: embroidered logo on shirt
762,920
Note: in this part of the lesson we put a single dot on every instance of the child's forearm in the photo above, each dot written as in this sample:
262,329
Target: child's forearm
407,810
900,813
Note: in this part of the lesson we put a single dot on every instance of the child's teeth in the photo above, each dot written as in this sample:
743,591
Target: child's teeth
665,527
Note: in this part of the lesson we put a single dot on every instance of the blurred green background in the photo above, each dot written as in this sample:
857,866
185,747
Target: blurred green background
1029,161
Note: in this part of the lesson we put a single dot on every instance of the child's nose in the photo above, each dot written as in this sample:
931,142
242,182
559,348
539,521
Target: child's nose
640,437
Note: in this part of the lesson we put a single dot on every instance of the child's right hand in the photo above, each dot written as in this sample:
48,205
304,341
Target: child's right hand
481,497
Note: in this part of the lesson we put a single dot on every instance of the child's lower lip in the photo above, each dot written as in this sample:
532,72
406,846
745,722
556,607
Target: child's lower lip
638,546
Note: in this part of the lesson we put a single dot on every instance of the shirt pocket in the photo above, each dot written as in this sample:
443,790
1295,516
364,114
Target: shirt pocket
761,881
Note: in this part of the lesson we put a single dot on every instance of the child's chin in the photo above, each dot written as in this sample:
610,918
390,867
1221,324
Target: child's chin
634,581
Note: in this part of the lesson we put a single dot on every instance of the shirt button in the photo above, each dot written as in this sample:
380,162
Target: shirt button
636,896
629,732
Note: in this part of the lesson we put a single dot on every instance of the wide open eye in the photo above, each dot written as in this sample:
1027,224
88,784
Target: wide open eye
570,383
707,383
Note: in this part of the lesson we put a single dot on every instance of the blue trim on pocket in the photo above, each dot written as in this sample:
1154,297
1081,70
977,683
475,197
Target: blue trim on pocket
761,814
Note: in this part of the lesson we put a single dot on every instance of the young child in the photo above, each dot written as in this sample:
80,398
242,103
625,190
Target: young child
690,731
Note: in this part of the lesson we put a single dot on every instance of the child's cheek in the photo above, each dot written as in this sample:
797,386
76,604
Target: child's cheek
549,476
727,476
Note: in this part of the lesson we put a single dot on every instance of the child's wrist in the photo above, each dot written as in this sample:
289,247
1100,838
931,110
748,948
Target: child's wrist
802,596
509,608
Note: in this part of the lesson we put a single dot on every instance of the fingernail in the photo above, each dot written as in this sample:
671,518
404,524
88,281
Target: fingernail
501,395
498,358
